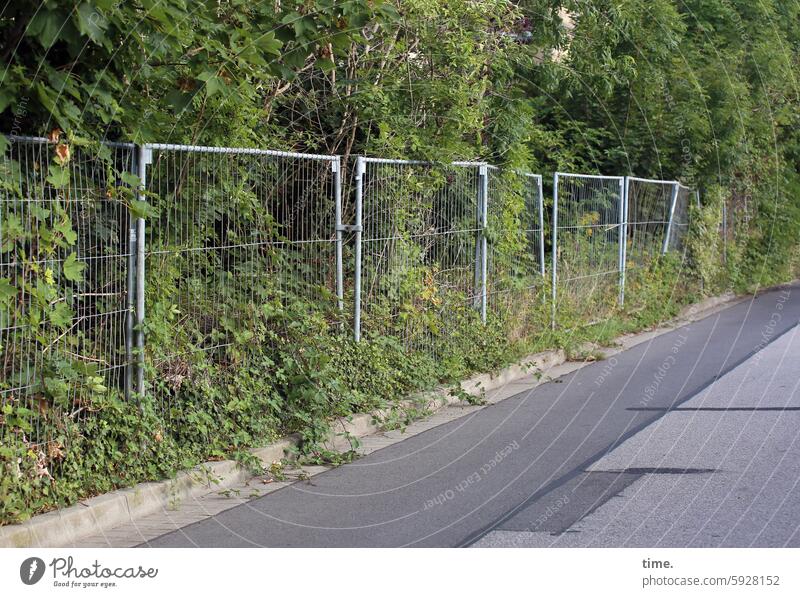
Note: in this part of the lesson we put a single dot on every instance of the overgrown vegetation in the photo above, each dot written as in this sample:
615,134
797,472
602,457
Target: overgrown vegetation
704,90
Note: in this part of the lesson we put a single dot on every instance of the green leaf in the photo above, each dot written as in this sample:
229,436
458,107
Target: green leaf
326,64
45,26
7,291
303,25
291,18
6,97
61,315
389,11
64,227
179,100
39,213
57,389
13,231
130,179
214,85
92,23
58,176
103,154
141,209
269,44
73,269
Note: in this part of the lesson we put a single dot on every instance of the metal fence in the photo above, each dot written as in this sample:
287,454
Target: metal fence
648,206
679,219
236,231
65,300
127,269
438,244
604,227
418,247
588,253
516,264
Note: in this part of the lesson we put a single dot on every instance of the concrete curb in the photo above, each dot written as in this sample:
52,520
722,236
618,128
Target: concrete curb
103,512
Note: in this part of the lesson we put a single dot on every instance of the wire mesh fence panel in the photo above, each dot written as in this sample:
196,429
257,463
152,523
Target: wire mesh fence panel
243,244
420,261
515,280
64,305
587,220
649,203
679,227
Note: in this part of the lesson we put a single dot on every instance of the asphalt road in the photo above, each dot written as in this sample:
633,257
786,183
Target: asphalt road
720,470
500,475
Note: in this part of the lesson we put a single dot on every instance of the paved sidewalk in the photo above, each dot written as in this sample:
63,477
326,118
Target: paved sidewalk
183,513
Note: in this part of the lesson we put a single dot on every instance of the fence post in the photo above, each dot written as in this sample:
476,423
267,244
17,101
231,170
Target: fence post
336,167
130,366
541,224
623,237
724,230
476,300
668,233
483,173
554,250
145,158
360,171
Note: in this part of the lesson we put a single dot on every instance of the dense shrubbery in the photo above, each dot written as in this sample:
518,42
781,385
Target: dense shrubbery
704,91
